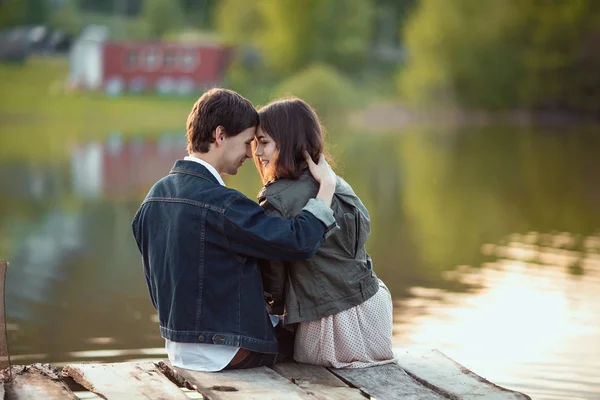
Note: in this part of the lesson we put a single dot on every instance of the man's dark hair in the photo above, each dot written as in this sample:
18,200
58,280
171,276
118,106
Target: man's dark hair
218,107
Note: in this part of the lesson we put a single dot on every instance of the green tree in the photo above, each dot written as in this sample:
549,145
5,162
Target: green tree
292,35
18,12
461,52
67,17
198,12
11,13
161,16
503,54
37,12
324,88
560,57
238,21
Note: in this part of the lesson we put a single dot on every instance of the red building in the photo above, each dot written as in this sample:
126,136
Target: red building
137,66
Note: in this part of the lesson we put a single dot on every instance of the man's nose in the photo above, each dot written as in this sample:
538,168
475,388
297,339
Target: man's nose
249,153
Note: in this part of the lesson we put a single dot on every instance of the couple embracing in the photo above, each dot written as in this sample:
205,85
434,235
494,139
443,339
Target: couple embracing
238,284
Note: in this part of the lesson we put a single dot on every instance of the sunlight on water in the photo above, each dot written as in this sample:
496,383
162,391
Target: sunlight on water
21,358
528,327
103,354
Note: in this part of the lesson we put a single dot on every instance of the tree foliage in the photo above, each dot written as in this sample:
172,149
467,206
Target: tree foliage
324,88
161,16
23,12
292,35
67,17
504,53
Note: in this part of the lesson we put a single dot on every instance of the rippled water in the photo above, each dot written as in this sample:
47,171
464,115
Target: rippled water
488,238
527,324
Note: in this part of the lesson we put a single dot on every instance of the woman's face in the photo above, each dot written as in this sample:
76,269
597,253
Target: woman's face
266,150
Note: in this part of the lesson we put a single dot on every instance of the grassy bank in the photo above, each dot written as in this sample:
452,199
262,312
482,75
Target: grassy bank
39,115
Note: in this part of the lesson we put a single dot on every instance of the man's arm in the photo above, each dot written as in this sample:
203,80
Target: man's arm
251,232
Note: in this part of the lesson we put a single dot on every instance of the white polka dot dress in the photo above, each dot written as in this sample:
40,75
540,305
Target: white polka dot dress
355,338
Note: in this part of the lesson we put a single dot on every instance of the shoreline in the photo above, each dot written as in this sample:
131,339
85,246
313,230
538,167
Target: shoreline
394,115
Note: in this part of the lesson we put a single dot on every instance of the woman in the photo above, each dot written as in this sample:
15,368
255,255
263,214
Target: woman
341,311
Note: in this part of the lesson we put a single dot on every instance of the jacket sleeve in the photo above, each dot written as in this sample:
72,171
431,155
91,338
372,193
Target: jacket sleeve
249,231
274,273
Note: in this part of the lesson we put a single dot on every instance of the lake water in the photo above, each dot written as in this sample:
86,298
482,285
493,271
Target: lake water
488,238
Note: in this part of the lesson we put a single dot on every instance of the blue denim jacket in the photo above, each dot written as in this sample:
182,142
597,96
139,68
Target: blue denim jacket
200,242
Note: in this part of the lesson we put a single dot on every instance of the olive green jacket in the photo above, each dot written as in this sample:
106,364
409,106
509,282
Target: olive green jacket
340,275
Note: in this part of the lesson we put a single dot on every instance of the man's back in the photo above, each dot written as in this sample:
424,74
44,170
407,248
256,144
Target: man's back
190,269
199,242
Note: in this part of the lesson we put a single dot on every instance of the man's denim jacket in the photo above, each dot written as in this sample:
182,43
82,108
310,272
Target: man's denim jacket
200,242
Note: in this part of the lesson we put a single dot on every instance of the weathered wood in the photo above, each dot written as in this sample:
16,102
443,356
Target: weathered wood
420,374
128,380
306,372
324,392
388,382
434,369
255,383
5,368
38,381
318,381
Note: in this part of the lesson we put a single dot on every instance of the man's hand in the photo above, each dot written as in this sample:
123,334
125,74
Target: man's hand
321,171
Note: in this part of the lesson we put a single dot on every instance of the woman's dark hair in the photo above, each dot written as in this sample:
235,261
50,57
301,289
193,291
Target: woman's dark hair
295,128
218,107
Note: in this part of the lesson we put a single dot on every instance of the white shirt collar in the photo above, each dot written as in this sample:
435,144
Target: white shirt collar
208,167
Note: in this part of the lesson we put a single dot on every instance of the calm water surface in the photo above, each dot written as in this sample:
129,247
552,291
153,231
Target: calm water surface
488,238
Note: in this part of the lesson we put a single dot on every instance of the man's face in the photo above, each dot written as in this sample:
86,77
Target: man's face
236,149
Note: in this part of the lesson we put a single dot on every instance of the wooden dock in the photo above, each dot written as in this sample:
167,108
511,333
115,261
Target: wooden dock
419,374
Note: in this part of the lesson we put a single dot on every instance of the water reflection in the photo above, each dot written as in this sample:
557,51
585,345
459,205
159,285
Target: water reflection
526,318
488,239
120,168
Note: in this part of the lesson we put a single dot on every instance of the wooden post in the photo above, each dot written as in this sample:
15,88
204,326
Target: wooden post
5,367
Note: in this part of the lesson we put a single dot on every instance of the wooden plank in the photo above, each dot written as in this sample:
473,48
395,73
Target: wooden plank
251,384
388,382
306,372
38,381
317,381
128,380
435,369
4,353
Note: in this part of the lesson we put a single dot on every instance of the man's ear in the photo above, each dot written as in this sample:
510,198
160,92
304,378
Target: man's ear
219,135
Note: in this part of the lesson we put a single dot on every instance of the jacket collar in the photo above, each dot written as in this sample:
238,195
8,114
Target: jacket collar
262,194
193,168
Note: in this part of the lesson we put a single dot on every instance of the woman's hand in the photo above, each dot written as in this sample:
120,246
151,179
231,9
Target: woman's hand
321,171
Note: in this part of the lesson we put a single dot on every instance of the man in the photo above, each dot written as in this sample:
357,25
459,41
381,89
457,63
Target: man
200,240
